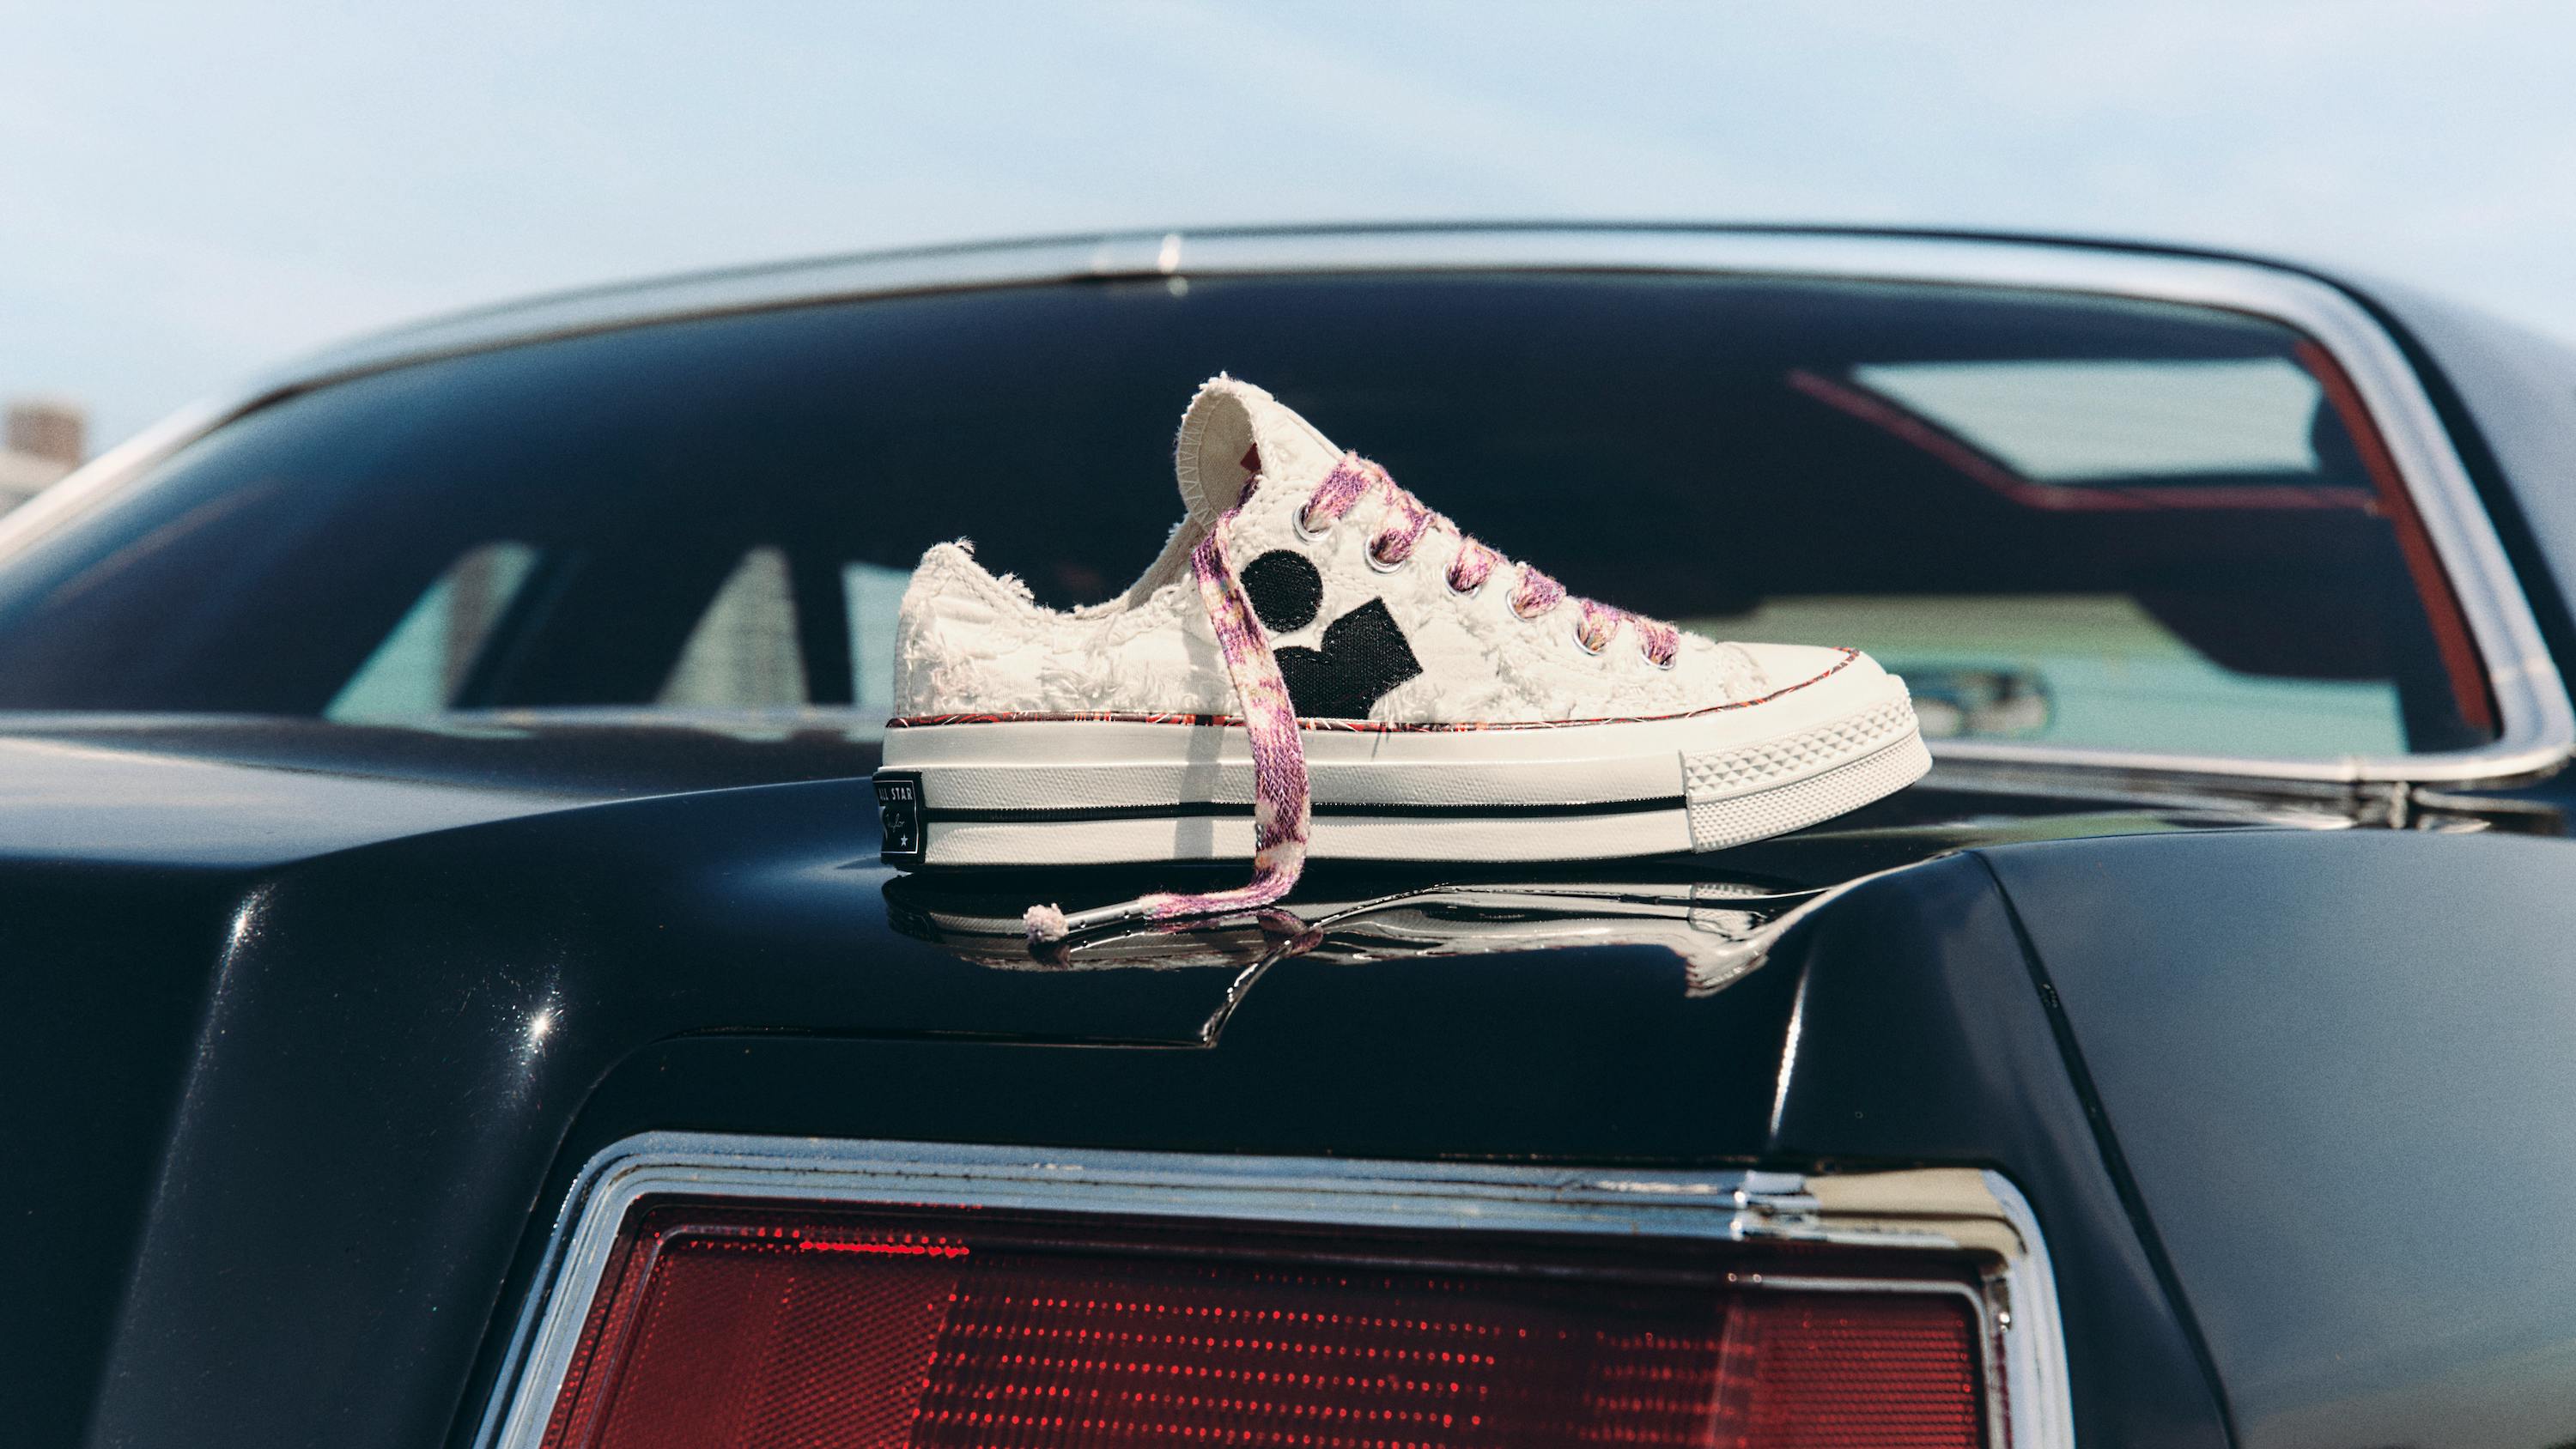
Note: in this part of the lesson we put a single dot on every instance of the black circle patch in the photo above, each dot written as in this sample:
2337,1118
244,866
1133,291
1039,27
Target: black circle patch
1286,590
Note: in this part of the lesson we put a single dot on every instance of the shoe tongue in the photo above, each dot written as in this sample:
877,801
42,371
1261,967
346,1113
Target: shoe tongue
1234,432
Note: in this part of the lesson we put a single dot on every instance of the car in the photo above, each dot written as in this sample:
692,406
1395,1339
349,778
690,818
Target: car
456,998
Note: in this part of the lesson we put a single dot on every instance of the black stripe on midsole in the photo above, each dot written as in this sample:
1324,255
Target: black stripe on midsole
1198,809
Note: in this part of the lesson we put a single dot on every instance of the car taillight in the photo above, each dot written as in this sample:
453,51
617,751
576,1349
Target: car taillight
755,1324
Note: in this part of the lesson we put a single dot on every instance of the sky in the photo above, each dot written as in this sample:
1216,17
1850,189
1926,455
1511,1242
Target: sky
192,192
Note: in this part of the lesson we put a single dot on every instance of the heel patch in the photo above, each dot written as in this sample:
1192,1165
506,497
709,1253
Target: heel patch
899,816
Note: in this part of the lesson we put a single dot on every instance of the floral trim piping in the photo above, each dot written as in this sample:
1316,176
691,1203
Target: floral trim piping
1350,726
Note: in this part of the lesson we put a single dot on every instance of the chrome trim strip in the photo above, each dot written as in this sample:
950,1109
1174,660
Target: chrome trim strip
2034,1358
1941,1208
2538,725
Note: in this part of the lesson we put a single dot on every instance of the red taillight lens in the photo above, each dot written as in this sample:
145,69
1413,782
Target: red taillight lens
754,1327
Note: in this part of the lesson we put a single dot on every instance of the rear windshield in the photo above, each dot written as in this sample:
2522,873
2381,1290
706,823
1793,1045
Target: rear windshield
2065,519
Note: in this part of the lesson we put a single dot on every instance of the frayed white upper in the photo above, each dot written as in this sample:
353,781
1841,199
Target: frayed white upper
968,642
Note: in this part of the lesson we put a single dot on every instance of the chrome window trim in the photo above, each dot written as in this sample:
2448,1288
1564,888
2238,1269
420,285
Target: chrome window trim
1931,1209
2538,727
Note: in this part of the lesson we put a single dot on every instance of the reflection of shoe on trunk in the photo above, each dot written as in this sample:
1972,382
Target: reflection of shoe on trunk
1717,928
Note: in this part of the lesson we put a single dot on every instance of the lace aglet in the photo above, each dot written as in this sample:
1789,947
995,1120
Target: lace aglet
1049,925
1046,925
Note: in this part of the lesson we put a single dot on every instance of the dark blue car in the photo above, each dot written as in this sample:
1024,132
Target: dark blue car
452,998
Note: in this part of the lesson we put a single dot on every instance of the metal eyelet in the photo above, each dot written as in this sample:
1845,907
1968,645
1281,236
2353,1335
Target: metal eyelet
1663,664
1452,582
1586,648
1297,521
1382,565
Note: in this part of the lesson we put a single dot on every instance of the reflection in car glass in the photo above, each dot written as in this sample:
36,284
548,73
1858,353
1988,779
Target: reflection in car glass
2065,519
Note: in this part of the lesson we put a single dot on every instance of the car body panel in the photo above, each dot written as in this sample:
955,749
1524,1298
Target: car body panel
2338,1067
324,1249
74,803
311,1027
1920,1037
327,1252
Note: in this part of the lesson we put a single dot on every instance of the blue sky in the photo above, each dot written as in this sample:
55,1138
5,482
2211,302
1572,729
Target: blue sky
190,191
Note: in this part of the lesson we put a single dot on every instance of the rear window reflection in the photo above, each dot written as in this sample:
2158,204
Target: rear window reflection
2067,519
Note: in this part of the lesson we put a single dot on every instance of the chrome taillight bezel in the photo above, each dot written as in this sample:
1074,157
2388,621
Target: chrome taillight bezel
1944,1210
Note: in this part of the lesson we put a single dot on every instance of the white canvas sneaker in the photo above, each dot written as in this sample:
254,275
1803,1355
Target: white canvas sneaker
1319,663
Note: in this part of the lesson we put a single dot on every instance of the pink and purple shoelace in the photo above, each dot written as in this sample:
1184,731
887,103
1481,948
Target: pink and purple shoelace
1282,812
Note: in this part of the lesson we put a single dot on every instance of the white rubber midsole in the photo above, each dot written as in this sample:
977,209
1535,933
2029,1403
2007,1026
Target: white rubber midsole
1046,792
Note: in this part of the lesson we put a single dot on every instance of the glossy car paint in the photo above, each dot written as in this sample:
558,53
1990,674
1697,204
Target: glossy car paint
2339,1069
323,1257
1923,1034
308,1031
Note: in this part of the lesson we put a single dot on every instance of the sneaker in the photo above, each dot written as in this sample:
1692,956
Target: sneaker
1319,664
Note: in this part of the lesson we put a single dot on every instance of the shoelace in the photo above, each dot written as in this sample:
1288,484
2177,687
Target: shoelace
1282,812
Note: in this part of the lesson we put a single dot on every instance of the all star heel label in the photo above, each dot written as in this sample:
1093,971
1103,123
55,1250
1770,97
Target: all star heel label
899,816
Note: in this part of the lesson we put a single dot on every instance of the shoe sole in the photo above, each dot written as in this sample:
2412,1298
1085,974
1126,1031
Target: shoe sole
1021,791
